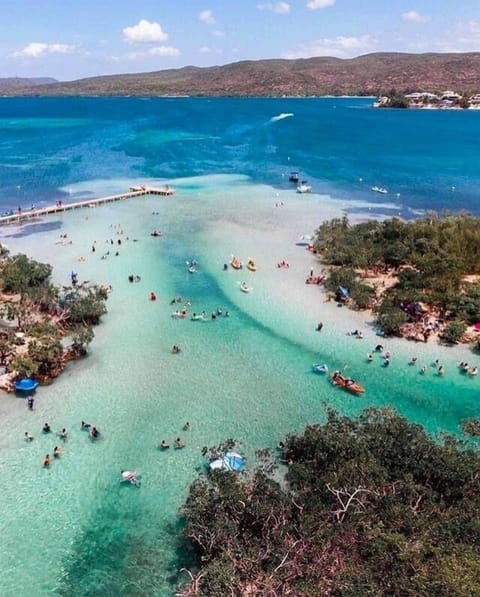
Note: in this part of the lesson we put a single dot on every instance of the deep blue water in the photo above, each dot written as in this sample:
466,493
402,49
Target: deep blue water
343,146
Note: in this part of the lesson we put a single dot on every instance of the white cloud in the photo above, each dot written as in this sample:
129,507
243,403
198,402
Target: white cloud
218,33
205,50
281,8
155,52
341,47
464,36
144,32
206,16
37,50
316,4
412,16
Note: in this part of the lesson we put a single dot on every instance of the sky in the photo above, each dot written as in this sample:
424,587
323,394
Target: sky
72,39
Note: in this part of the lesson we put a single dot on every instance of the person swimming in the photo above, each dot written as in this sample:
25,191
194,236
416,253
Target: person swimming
179,443
57,452
46,428
153,296
164,444
94,433
28,437
186,427
47,461
85,425
63,434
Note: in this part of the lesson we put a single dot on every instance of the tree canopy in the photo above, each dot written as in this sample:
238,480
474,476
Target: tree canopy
431,258
367,506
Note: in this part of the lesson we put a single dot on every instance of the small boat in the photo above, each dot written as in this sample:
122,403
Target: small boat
156,233
245,288
229,461
252,266
346,383
27,384
236,263
304,187
192,269
304,240
293,177
381,190
322,369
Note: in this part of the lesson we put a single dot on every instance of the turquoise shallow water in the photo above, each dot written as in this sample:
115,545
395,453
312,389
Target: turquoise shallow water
73,529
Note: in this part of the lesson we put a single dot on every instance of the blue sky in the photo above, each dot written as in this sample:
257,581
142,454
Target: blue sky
69,39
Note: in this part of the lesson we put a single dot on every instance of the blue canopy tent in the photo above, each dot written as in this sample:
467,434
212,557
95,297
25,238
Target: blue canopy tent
230,461
233,461
27,384
344,291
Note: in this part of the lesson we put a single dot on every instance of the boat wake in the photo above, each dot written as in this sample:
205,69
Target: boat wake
281,116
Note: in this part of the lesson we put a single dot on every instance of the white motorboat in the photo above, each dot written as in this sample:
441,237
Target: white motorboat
381,190
304,187
304,240
244,287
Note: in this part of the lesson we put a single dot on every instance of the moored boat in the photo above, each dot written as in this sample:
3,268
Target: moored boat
304,240
381,190
346,383
304,187
321,369
26,385
252,266
293,177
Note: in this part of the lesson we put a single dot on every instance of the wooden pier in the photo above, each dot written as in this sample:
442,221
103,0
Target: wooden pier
60,207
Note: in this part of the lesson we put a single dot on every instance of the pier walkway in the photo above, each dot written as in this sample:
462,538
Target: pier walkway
60,207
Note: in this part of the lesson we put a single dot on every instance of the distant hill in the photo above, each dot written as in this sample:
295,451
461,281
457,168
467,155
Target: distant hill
20,82
371,74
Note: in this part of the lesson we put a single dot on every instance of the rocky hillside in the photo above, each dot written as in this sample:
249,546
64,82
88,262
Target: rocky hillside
14,83
371,74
